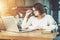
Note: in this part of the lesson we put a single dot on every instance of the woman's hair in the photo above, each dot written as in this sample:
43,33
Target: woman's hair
39,7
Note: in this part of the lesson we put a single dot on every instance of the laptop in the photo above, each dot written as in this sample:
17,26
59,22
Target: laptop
10,23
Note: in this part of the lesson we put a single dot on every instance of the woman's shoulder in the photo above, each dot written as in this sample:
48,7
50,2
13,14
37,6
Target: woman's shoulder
48,16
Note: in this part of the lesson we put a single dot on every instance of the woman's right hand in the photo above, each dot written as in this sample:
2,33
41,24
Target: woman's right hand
28,12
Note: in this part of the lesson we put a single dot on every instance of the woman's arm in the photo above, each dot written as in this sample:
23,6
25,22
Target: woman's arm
26,21
52,25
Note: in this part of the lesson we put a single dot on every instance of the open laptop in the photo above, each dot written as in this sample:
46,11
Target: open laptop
10,23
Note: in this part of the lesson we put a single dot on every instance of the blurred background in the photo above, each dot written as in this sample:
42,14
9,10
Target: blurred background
12,7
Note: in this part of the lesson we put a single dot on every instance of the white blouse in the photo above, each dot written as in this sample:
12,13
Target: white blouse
47,23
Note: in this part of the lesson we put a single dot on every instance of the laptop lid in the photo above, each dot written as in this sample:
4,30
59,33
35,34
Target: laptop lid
10,23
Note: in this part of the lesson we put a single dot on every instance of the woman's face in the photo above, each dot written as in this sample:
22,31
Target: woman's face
36,12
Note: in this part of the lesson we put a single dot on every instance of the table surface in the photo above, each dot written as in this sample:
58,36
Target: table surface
36,33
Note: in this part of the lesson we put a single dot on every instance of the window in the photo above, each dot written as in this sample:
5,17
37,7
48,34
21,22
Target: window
59,16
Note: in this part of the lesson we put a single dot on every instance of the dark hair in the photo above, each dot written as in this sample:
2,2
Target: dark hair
39,7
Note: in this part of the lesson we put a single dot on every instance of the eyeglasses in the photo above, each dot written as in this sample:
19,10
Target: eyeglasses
33,10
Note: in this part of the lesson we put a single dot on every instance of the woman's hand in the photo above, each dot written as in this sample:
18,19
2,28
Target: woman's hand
28,12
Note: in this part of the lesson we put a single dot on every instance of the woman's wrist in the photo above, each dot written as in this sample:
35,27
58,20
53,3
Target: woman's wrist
26,16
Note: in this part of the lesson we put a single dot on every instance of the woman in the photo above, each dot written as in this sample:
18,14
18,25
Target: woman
40,20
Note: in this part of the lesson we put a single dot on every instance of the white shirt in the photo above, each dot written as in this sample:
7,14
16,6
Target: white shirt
47,23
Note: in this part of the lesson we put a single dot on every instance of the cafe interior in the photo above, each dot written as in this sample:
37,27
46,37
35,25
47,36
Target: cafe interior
12,7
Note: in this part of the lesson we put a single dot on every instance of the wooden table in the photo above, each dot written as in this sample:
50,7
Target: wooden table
34,35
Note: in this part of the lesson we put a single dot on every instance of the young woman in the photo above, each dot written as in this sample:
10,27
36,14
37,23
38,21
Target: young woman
40,20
